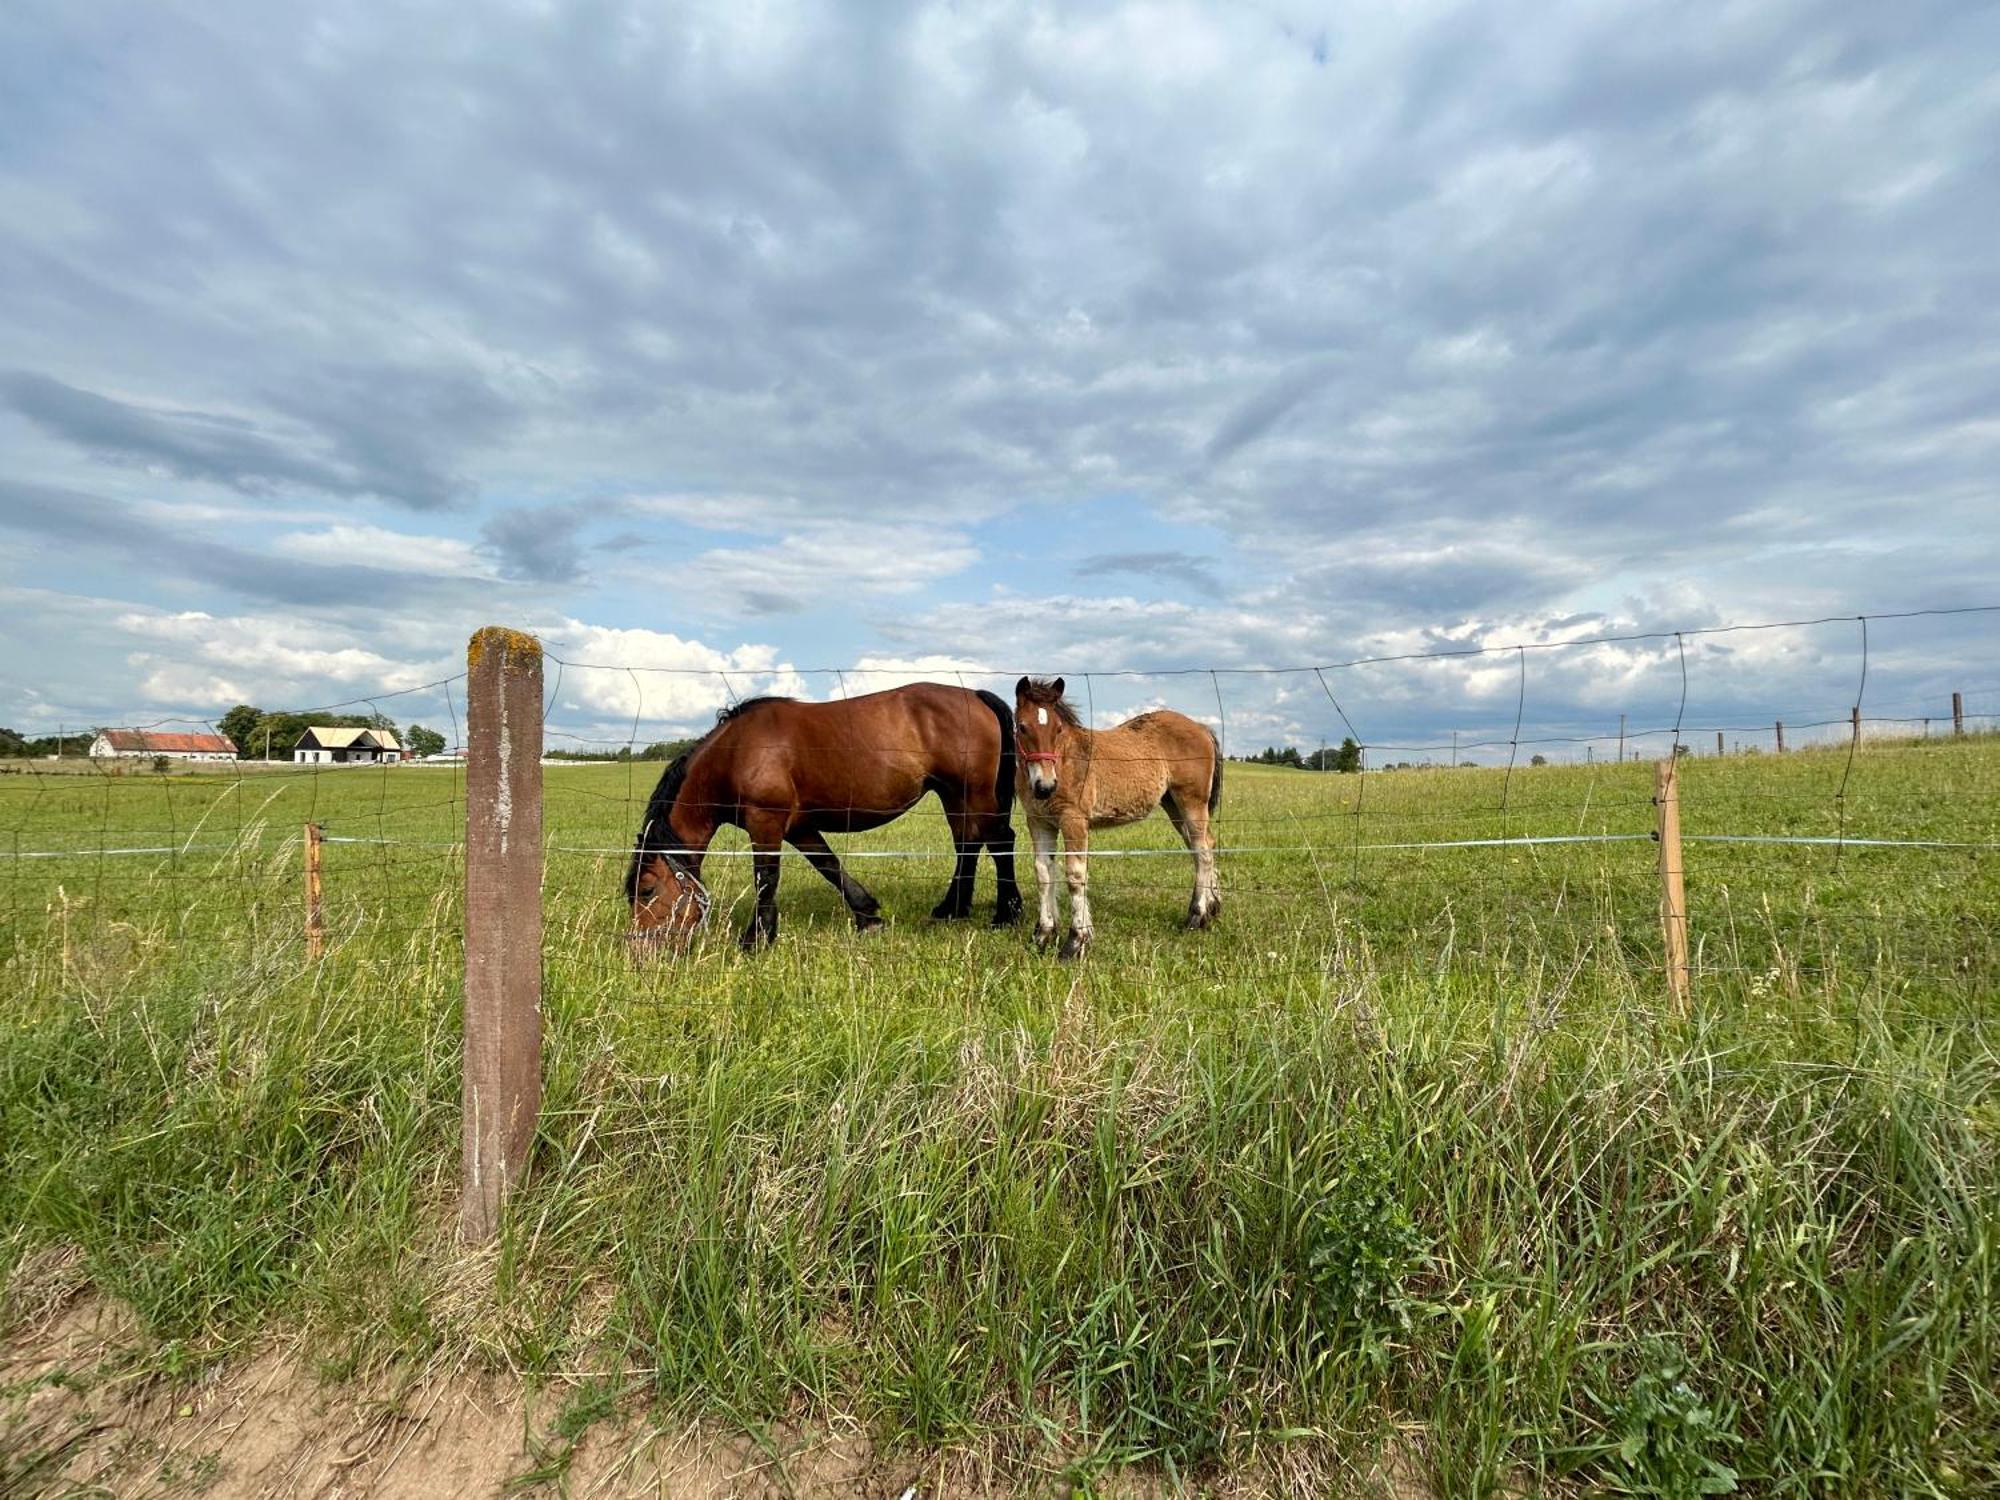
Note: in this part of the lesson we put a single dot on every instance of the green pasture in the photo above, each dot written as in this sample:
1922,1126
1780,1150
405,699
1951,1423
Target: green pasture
1407,1159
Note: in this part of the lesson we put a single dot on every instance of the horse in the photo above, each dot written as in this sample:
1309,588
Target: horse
792,772
1072,779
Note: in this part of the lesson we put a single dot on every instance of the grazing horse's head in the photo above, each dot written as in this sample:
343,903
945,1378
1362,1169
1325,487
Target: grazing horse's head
669,902
663,882
1043,719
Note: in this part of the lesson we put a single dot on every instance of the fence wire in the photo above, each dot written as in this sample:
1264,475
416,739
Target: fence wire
113,871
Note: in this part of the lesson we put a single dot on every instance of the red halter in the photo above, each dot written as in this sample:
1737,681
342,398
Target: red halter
1051,756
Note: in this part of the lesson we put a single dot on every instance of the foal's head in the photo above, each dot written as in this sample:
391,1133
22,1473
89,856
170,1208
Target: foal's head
1043,719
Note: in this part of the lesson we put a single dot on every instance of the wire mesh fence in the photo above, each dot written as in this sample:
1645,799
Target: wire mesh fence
1865,852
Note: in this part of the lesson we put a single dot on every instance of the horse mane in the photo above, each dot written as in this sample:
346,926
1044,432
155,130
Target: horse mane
1042,692
735,710
668,789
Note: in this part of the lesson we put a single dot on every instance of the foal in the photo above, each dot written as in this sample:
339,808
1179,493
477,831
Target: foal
1072,779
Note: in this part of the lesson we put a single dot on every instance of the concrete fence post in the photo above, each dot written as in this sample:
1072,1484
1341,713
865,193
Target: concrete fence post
503,921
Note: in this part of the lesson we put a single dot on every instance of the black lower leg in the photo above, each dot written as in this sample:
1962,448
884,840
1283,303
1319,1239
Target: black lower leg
763,926
1007,897
860,900
957,899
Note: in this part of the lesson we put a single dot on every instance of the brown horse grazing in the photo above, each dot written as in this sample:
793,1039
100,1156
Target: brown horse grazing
792,772
1073,779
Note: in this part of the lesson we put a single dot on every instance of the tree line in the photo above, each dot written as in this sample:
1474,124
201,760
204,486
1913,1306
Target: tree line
1346,758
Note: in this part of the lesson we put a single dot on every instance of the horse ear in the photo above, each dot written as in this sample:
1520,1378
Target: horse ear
1021,688
1056,687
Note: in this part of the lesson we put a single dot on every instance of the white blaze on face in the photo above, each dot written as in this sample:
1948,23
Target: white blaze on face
1041,716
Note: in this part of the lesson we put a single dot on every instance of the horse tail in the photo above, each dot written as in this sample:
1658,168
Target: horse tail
1003,782
1215,777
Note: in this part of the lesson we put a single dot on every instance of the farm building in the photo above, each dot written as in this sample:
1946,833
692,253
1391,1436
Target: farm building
345,746
145,744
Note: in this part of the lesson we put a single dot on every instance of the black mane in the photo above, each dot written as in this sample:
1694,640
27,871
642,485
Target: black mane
656,834
734,710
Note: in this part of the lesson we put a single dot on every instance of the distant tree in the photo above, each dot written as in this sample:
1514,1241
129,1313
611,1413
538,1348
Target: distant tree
1538,760
275,734
1348,756
421,741
161,765
12,743
667,749
239,724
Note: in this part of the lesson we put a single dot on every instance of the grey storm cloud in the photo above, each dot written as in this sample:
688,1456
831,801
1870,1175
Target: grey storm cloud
372,427
1667,308
538,542
1175,567
89,525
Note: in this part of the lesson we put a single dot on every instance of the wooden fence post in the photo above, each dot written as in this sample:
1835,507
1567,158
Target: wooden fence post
1673,892
1957,713
503,921
1781,736
315,932
1718,744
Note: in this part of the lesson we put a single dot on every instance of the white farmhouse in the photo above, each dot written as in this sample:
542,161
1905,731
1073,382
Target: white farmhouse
345,746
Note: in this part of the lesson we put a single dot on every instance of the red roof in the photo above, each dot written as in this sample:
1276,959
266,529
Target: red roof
163,744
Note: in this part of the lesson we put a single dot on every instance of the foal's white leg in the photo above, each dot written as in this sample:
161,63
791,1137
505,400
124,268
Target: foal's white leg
1076,865
1044,835
1195,831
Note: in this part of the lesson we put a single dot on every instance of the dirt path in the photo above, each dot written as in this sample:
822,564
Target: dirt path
82,1413
78,1417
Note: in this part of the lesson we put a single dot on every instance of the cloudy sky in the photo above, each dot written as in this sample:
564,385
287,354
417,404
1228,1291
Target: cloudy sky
967,339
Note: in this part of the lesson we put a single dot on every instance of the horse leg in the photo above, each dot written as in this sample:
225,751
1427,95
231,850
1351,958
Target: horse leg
1076,866
766,834
819,854
1044,837
999,841
957,899
1191,822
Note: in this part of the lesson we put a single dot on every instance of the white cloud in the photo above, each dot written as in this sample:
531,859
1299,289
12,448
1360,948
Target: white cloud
829,564
197,658
379,547
615,677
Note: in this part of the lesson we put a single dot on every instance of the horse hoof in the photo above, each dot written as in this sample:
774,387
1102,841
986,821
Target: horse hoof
1044,936
1074,945
1006,916
944,911
869,924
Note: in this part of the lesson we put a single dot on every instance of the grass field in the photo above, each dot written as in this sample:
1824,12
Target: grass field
1407,1155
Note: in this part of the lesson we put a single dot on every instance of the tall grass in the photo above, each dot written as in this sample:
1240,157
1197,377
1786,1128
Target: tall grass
1409,1157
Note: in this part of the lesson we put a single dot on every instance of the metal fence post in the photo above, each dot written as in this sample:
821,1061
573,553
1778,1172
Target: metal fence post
503,921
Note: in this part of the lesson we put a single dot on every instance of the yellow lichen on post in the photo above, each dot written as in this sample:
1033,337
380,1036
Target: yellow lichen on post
515,646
